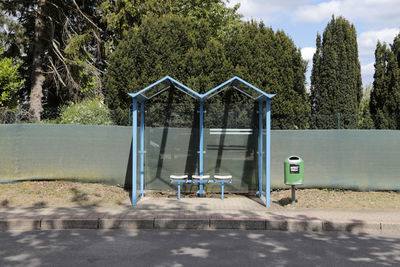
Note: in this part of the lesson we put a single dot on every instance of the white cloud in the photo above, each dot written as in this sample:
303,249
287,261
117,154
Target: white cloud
368,70
266,9
318,13
367,40
307,53
377,11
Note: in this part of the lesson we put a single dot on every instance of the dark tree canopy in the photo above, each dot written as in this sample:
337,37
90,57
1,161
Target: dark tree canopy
385,95
270,61
124,14
169,45
191,53
336,76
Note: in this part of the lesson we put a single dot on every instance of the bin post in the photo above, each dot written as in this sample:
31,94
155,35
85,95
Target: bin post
293,194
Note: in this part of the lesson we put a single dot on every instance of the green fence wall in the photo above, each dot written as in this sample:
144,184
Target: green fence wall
351,159
85,153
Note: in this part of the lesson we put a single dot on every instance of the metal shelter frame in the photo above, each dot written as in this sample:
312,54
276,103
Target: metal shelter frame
261,97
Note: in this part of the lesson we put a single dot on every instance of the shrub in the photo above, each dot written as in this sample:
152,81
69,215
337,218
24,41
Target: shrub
88,111
10,81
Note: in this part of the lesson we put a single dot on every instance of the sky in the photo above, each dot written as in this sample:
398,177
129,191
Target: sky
302,19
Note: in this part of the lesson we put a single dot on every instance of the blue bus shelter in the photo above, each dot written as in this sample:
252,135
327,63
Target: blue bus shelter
235,83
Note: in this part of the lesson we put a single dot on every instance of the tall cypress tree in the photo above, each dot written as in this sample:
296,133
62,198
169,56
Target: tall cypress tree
336,77
318,93
385,95
396,51
396,48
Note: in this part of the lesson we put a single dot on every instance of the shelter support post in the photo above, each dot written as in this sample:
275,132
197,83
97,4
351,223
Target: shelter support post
142,149
134,152
201,149
267,153
260,148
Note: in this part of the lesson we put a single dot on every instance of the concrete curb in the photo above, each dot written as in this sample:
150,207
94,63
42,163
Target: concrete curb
203,223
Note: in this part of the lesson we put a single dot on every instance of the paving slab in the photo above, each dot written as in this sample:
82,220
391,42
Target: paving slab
238,212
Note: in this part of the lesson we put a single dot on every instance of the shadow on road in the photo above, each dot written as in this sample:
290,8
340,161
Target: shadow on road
196,248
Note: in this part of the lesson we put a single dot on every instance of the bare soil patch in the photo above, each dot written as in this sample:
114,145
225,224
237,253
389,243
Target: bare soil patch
74,194
337,199
62,194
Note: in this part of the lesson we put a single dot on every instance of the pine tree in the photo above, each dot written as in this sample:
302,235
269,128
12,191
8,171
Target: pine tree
336,77
55,68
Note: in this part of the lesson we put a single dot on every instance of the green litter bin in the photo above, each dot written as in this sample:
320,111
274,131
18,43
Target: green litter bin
294,170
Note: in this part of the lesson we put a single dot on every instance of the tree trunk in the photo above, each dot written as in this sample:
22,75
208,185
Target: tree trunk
37,75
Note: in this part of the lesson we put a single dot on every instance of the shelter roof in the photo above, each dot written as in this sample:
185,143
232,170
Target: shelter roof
162,85
168,82
241,86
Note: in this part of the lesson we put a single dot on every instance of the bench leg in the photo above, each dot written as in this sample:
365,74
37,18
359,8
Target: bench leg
222,191
179,191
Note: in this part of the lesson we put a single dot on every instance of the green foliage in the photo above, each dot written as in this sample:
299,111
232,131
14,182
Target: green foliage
10,81
396,48
271,61
89,111
169,45
83,72
385,95
336,76
365,120
190,52
12,36
124,14
68,48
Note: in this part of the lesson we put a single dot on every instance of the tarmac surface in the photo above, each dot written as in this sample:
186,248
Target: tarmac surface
196,248
237,212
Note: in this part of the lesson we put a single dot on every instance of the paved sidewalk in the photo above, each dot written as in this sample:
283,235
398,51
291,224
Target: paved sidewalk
235,212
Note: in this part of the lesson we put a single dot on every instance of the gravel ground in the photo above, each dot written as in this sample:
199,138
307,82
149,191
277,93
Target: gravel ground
343,199
57,193
72,194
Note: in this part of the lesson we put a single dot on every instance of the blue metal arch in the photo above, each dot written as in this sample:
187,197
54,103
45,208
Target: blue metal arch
231,82
171,83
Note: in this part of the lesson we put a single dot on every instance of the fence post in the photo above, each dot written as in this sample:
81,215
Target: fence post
338,120
19,113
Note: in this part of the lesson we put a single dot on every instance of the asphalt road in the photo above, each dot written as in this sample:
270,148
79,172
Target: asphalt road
196,248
